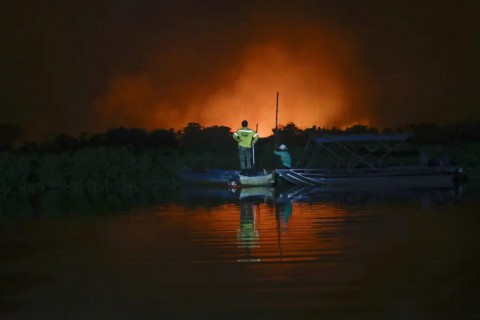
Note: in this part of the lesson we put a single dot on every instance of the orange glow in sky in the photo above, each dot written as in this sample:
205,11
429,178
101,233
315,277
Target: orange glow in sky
165,64
319,80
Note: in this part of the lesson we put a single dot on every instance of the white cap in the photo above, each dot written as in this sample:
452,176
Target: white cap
282,147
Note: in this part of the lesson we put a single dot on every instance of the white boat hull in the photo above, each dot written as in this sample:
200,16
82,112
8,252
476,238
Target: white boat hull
259,180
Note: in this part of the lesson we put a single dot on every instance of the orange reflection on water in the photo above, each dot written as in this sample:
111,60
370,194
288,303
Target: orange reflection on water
244,232
255,232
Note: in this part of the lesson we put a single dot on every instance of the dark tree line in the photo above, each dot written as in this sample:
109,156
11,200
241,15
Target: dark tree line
195,137
134,138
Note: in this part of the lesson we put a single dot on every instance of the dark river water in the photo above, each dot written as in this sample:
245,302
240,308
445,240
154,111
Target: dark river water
257,253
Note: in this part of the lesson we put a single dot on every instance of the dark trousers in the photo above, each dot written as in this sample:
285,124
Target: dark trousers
245,158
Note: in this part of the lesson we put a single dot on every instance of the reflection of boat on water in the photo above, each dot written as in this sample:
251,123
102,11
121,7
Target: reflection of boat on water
366,160
347,196
224,177
371,178
215,195
258,193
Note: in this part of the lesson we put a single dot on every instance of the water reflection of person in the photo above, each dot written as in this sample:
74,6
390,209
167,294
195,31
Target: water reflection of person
248,235
284,211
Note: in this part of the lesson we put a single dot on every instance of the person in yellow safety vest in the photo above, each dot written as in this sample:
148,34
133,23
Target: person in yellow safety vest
245,137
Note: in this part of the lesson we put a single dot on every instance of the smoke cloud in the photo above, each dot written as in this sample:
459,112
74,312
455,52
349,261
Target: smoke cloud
314,67
88,66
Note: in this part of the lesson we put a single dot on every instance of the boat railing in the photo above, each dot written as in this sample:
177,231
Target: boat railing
371,171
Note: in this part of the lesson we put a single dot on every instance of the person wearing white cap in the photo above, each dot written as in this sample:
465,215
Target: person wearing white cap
285,157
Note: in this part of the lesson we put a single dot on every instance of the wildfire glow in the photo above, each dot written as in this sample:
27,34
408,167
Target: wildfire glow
316,73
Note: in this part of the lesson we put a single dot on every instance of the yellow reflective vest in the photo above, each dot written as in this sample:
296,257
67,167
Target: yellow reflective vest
245,137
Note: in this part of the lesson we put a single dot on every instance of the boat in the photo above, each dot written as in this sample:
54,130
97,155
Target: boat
368,161
231,178
262,179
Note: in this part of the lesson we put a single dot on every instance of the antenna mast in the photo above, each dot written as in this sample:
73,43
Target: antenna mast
276,115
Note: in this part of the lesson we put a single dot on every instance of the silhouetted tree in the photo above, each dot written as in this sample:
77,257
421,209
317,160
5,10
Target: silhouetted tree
291,135
465,131
360,128
83,139
191,134
116,137
121,136
290,129
162,138
64,142
97,140
426,133
217,138
137,137
29,147
8,134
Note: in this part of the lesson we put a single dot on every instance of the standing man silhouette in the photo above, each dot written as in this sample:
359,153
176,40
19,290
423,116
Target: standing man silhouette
245,137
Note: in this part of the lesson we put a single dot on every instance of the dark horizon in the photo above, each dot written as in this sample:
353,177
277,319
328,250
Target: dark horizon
11,136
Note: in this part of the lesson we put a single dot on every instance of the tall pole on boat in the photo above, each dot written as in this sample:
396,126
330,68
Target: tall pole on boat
276,114
275,132
253,150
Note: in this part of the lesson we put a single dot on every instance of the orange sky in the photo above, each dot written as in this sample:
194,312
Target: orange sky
90,66
316,72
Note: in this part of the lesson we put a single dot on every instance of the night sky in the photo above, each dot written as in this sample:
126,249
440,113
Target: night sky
86,66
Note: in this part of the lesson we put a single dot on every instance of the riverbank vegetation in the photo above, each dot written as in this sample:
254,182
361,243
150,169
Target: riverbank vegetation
126,160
